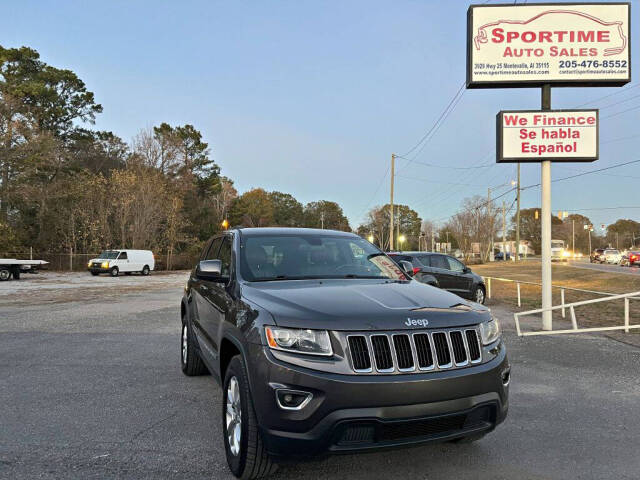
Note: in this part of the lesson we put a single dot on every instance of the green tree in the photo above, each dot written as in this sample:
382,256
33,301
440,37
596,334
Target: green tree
324,213
252,209
287,211
98,152
35,99
406,221
531,228
622,232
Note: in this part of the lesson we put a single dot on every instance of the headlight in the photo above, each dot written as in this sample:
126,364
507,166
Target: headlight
314,342
490,331
105,264
89,264
566,254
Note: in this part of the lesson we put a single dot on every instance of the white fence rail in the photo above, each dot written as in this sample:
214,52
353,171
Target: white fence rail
562,306
571,306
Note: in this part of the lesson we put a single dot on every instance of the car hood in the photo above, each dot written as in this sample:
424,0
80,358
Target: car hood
362,304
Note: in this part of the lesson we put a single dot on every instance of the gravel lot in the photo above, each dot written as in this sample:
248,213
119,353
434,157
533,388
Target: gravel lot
90,387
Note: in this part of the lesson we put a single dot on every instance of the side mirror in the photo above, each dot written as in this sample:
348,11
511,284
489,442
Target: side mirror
209,269
407,267
466,270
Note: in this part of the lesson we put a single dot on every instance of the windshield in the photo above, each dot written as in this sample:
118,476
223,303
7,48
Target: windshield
557,244
109,254
296,257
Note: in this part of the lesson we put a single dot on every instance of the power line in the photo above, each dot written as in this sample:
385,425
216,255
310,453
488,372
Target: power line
618,92
424,137
487,165
439,182
621,112
376,191
584,173
621,101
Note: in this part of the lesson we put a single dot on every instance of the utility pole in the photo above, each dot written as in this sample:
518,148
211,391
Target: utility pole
393,172
518,216
433,246
490,225
504,230
545,181
573,235
322,220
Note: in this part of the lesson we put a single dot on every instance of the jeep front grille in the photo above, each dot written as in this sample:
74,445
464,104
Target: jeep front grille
401,352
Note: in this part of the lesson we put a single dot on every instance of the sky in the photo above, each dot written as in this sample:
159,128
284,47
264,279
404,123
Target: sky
313,97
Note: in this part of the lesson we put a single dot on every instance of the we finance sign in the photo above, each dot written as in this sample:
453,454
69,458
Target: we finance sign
556,135
558,44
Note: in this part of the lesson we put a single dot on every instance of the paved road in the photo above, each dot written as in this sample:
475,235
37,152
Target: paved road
603,267
93,389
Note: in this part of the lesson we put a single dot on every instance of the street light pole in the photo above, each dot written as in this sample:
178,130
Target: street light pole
393,169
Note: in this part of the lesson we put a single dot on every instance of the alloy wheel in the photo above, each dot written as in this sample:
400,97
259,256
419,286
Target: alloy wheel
233,416
479,295
185,343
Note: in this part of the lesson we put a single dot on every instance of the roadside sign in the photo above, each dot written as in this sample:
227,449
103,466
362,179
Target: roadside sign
561,44
556,135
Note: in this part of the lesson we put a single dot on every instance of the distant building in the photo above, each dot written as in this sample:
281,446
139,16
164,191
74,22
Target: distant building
510,247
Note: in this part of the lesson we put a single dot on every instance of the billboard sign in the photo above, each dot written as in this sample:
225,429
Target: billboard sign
562,44
556,135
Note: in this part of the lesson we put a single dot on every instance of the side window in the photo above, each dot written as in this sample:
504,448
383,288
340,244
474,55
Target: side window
203,255
438,261
455,265
212,254
122,256
225,256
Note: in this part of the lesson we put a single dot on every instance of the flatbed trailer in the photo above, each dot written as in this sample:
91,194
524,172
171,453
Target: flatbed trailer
11,267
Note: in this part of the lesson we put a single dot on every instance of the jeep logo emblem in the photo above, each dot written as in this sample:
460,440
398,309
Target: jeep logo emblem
415,322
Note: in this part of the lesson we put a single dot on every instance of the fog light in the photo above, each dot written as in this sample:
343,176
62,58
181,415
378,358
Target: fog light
506,377
292,399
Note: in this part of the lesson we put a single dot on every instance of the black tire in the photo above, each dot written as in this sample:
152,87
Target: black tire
16,273
468,439
252,461
5,274
479,295
145,270
95,274
114,271
190,360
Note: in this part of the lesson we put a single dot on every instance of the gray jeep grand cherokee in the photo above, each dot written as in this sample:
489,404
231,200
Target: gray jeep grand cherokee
323,344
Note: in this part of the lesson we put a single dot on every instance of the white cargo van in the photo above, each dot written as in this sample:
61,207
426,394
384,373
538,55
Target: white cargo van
114,262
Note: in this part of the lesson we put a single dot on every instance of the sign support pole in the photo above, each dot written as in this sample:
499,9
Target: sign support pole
547,301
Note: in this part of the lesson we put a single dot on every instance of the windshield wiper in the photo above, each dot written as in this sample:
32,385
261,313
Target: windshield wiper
353,275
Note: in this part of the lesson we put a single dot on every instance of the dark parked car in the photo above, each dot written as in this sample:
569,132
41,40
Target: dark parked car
445,272
322,344
596,256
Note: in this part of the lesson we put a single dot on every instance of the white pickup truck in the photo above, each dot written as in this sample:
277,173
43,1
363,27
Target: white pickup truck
10,267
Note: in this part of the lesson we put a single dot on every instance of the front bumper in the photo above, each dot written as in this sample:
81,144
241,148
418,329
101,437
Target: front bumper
365,412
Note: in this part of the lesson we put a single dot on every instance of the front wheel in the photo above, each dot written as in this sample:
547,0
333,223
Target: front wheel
5,274
479,295
114,272
246,454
